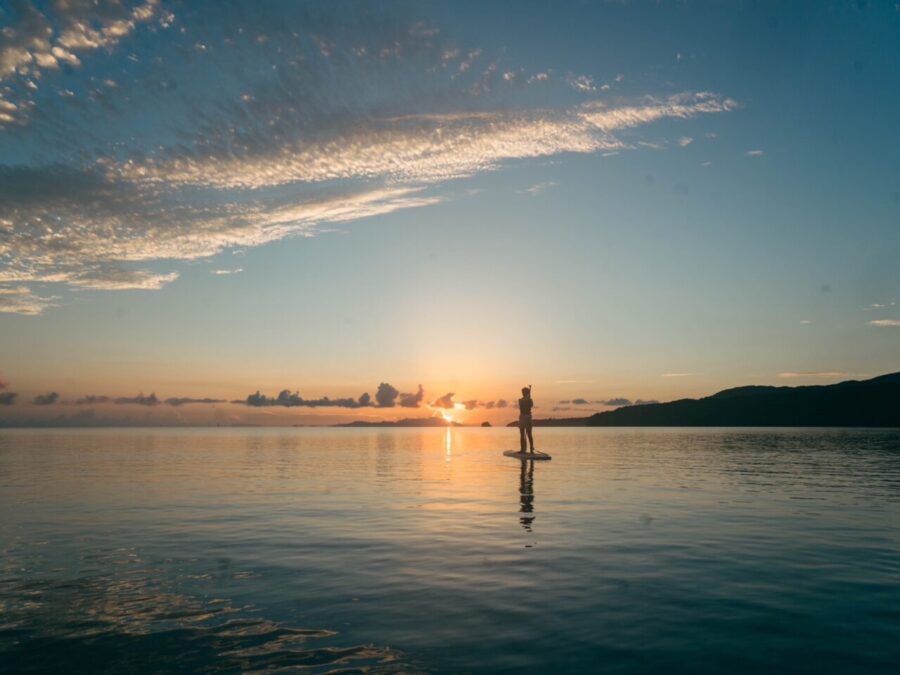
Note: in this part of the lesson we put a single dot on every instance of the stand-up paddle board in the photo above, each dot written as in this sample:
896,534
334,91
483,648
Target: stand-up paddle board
526,455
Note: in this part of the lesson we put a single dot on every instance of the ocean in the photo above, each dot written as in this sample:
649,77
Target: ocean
425,550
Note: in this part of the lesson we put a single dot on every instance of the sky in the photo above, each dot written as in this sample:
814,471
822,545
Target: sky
309,213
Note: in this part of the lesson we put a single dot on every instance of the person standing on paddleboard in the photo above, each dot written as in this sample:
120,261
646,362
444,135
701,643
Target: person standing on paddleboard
525,406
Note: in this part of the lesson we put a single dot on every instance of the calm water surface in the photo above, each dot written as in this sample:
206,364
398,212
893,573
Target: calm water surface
701,551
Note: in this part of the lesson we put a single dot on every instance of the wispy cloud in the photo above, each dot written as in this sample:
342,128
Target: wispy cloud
359,118
885,323
674,374
35,41
20,300
538,188
755,153
583,83
420,148
236,270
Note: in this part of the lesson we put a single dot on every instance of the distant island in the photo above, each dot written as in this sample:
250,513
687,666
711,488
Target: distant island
854,403
406,422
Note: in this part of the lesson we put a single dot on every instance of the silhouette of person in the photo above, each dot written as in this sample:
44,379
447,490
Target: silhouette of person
525,406
526,494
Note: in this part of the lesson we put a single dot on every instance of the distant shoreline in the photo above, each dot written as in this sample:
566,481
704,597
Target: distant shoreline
873,403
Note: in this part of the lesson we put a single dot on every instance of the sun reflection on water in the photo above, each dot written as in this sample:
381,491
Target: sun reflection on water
448,445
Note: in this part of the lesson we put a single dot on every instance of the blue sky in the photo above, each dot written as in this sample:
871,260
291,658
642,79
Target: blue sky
641,200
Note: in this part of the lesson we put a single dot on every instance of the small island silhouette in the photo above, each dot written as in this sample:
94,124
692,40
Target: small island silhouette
854,403
406,422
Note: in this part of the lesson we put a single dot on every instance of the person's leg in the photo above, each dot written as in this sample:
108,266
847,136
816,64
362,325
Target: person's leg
530,440
522,436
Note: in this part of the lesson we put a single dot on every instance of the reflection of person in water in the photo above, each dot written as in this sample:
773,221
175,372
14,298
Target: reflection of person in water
526,495
525,406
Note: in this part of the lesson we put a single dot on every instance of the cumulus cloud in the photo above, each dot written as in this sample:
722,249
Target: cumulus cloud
49,398
7,397
288,399
92,400
386,396
445,401
615,402
320,119
140,399
412,400
472,404
179,401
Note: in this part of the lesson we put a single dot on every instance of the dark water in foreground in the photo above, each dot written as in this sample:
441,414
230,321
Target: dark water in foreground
702,551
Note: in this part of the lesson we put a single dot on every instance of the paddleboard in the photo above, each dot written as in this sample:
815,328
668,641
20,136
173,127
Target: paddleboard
526,455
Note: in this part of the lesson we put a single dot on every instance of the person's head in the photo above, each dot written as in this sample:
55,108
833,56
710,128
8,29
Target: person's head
526,391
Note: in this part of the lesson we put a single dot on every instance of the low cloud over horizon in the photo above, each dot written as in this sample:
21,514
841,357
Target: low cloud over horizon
49,398
386,396
609,402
